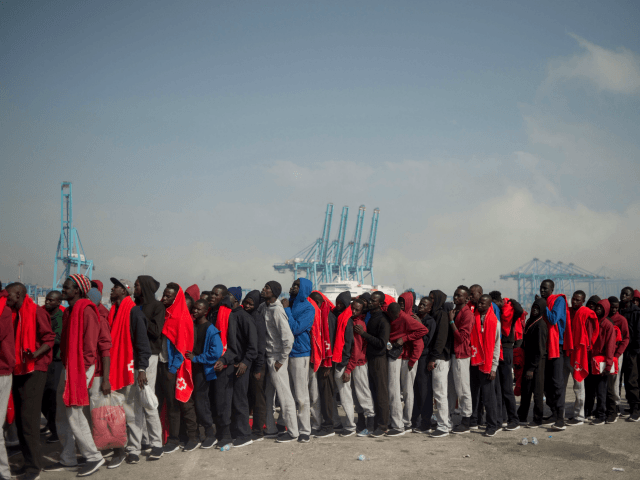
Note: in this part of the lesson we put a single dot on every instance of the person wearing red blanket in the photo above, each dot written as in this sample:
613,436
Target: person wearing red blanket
405,335
78,351
34,341
613,388
7,364
343,342
601,365
175,378
485,355
583,322
321,393
460,326
357,373
130,354
636,298
556,315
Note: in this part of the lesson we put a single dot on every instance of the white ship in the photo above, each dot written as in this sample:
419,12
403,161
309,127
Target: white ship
333,289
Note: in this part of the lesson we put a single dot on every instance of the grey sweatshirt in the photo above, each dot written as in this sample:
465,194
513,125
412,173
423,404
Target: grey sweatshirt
279,336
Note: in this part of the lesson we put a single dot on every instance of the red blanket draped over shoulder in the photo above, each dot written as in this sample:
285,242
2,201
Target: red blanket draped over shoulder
483,340
72,353
222,324
178,328
25,337
553,343
582,323
121,373
338,344
325,354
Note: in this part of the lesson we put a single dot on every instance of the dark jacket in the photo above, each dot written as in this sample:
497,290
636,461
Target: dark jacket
443,342
261,331
508,341
632,314
153,310
377,335
242,339
429,322
535,338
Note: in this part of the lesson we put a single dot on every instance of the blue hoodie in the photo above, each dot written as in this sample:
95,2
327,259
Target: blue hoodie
301,315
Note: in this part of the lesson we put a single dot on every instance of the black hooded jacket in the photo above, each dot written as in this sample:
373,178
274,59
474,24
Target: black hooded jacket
632,314
154,311
443,342
261,331
242,339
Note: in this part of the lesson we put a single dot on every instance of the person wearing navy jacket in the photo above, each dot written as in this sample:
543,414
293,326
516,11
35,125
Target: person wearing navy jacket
301,315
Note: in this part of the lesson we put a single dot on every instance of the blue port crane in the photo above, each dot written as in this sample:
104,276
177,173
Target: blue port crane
567,278
70,251
327,260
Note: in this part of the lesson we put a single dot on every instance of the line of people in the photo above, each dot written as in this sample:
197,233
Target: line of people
219,362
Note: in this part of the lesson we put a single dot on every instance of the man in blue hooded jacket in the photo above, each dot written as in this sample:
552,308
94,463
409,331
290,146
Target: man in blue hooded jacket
301,315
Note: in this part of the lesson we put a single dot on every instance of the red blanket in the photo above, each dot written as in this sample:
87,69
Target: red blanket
178,328
326,300
338,344
222,324
553,342
483,341
582,343
325,309
25,337
317,342
72,352
121,373
518,369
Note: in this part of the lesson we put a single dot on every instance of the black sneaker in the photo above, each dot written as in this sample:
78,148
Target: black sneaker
612,418
45,431
597,421
132,459
209,442
117,459
425,431
156,453
378,432
347,433
304,439
145,448
53,438
18,472
171,447
286,438
490,432
533,424
460,429
574,422
239,442
634,417
511,426
107,453
255,438
439,433
474,427
90,468
59,467
395,432
281,428
271,435
31,476
191,445
559,425
324,434
548,421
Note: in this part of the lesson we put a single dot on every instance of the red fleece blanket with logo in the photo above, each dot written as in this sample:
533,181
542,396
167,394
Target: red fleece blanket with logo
178,328
338,345
483,340
25,337
121,373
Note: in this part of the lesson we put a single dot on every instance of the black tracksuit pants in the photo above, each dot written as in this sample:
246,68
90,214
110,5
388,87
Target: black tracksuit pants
422,396
49,395
508,400
232,403
535,387
27,400
595,388
554,384
201,399
379,382
482,386
630,375
326,390
176,408
258,401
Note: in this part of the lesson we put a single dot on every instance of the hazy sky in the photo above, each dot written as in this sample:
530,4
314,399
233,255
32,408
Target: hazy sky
211,135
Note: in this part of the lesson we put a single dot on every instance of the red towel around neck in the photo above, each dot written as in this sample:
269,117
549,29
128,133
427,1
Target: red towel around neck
338,345
483,341
25,337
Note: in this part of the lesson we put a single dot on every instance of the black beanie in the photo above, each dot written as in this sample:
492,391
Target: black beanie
595,299
276,288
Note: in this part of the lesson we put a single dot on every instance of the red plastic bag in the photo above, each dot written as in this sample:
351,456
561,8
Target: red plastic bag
109,421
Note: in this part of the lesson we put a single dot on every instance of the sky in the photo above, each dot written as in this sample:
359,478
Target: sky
211,136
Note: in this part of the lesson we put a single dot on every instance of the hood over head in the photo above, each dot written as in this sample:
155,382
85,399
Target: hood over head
408,302
594,298
366,296
636,294
148,286
439,298
542,305
98,285
607,307
193,291
345,298
305,289
255,296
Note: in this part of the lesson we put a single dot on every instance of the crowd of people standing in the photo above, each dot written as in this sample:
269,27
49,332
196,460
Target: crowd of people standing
219,365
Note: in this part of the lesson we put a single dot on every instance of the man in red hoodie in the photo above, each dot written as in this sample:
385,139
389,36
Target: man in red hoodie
405,337
34,341
7,364
613,386
460,325
601,365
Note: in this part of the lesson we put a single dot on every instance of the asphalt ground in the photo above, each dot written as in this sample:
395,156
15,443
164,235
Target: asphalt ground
581,452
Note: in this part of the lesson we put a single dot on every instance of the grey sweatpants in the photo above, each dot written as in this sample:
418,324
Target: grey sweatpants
135,417
460,385
361,391
152,428
299,377
616,385
346,399
401,383
73,427
5,391
578,391
314,400
439,381
278,382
